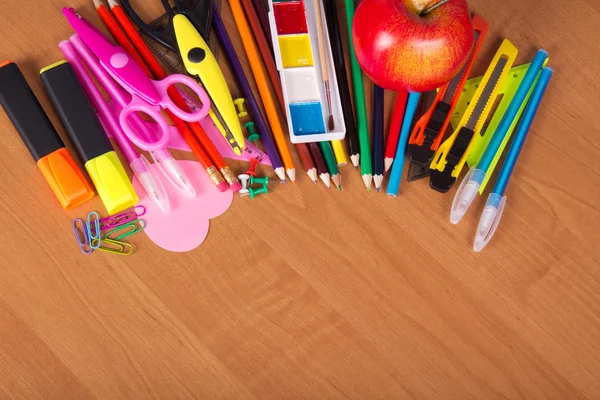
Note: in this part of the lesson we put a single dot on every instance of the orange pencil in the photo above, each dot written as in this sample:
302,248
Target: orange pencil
148,59
263,87
265,50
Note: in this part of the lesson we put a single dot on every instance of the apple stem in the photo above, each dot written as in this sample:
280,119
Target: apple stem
433,7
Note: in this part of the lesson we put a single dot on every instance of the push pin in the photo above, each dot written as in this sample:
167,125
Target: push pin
259,181
253,135
240,105
255,192
252,169
244,180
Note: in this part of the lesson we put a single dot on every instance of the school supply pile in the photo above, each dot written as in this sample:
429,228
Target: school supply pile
297,61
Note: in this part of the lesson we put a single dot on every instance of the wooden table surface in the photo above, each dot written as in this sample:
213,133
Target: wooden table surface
308,293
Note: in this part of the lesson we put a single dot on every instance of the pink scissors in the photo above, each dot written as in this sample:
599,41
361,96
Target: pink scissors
147,96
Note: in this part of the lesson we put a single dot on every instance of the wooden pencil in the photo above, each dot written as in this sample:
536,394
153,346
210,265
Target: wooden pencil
340,152
262,13
265,50
320,164
395,127
263,87
378,167
336,178
307,161
192,133
342,80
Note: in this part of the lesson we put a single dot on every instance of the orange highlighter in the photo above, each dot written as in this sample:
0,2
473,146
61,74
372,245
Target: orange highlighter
47,149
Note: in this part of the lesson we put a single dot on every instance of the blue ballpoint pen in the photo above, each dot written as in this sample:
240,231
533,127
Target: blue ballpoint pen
490,218
396,174
471,183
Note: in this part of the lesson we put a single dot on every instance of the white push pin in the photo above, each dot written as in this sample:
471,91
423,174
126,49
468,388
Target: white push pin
244,181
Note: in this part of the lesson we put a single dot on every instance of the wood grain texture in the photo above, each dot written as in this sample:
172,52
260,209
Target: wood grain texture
321,294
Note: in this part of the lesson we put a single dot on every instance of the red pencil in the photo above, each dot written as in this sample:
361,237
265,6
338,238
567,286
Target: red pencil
265,50
307,161
157,71
395,127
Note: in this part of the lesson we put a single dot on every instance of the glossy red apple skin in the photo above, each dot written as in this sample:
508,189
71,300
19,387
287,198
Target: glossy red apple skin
399,49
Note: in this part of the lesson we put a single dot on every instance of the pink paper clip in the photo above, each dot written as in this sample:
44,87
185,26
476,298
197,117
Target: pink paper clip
123,218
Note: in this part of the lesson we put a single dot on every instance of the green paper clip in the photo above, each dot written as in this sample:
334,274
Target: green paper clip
507,91
115,247
131,228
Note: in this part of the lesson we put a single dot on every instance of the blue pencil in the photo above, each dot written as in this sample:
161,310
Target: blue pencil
396,174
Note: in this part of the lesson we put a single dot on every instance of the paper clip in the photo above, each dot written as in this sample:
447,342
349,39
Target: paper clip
81,234
123,218
94,231
114,247
129,232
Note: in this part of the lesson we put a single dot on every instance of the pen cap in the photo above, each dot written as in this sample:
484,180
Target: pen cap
75,111
31,122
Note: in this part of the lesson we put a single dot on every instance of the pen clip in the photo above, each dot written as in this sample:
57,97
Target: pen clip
490,218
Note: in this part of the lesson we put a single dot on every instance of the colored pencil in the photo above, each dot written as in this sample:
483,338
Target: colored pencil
340,152
266,136
360,104
342,81
263,87
202,146
265,50
378,104
263,16
307,162
320,164
396,174
336,178
395,127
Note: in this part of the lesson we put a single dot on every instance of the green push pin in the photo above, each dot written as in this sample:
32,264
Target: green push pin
255,192
259,181
253,135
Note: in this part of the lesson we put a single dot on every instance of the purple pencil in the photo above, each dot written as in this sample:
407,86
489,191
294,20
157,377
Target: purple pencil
236,66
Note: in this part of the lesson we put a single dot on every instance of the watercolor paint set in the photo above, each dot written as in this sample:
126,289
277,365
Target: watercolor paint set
312,110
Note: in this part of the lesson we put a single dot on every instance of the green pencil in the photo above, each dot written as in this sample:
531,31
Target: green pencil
331,164
359,104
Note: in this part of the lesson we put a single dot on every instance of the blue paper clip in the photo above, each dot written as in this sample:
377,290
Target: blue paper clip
81,234
94,231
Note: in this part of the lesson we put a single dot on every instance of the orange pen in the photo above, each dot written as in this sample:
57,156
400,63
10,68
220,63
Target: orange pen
47,149
263,87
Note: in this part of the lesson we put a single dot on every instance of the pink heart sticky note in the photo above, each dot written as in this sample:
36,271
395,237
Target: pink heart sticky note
185,227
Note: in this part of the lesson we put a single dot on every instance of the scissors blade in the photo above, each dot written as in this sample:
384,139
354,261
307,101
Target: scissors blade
114,59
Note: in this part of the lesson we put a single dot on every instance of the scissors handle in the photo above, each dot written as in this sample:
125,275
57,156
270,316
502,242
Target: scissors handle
163,86
153,111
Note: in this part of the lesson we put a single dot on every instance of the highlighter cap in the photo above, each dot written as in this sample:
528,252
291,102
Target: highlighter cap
31,122
75,111
111,181
26,113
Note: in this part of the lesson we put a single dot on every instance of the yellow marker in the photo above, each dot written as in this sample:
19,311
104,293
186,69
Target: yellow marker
200,61
88,137
452,154
295,51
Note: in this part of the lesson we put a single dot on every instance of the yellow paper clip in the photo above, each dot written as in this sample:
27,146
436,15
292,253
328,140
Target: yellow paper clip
114,247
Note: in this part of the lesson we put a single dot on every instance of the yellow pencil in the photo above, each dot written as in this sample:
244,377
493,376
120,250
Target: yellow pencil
263,86
340,152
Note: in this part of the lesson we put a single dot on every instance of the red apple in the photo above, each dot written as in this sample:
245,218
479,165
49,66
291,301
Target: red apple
412,44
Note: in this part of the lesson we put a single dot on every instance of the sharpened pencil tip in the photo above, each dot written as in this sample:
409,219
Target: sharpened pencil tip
377,190
340,188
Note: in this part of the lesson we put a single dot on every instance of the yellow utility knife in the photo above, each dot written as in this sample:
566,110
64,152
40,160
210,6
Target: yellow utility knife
452,154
